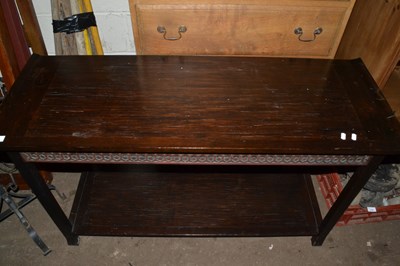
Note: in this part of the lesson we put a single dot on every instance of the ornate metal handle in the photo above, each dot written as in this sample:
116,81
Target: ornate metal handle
163,30
299,31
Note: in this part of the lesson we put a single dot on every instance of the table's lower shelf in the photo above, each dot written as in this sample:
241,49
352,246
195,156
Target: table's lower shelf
180,203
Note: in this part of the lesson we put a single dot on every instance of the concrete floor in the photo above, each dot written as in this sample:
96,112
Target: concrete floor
368,244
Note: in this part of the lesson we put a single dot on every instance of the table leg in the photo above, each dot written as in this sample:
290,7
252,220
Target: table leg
32,177
350,191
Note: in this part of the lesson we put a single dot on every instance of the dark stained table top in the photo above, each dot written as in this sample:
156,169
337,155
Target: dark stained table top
197,105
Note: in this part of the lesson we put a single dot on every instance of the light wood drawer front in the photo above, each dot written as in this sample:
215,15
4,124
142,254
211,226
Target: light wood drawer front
239,29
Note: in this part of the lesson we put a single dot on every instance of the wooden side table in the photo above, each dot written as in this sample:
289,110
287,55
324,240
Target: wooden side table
196,146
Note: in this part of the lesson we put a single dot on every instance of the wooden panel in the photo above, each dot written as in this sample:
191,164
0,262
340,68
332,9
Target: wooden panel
392,91
31,27
235,28
196,105
8,60
17,36
373,33
15,39
14,50
179,203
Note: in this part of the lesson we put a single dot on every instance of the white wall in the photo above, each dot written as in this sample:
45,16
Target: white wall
113,22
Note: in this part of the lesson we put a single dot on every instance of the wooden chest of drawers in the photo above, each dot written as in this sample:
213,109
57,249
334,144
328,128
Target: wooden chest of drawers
290,28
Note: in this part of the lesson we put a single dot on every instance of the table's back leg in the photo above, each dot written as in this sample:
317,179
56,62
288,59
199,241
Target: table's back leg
350,191
32,177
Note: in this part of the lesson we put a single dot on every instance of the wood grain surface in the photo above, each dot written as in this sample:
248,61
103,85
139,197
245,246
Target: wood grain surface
197,105
172,202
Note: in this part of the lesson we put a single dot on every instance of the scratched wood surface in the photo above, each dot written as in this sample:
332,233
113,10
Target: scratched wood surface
197,105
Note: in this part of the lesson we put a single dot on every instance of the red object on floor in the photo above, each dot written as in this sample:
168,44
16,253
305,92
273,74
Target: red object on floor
331,187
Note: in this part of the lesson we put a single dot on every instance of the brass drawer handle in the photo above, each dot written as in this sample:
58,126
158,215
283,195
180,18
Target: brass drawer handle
163,30
299,31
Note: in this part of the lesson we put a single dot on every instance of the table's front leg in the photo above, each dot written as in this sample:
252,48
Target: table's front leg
350,191
32,177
